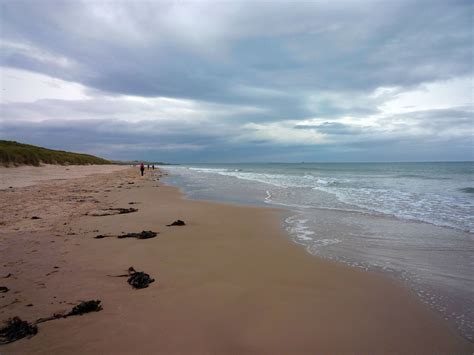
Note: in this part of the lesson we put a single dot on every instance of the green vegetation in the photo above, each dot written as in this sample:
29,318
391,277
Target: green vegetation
14,154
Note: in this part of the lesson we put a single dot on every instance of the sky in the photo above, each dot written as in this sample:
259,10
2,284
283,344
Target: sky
240,81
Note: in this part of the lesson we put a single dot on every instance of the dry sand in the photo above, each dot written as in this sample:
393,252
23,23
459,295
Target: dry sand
229,282
30,175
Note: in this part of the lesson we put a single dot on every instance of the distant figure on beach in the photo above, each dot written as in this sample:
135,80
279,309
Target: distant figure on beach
142,168
148,166
153,166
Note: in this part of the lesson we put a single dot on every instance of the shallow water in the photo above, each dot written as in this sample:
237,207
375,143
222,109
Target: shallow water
414,221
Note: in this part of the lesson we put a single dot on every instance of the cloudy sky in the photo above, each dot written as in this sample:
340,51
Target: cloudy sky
230,81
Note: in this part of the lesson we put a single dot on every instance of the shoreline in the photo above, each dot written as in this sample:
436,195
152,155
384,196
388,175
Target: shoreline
431,260
230,281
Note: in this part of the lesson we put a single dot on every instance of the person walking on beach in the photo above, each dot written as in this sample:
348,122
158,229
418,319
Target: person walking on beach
153,166
142,168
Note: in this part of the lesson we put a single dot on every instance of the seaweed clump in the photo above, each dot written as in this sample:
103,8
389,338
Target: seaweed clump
138,279
85,307
16,329
78,310
176,223
111,211
141,235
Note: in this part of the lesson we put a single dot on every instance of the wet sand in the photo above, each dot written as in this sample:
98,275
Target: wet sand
229,282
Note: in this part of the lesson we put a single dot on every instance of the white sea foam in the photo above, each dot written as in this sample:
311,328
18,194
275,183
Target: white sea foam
302,234
268,198
371,193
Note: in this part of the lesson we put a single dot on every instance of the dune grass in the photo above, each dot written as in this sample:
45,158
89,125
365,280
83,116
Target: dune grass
15,154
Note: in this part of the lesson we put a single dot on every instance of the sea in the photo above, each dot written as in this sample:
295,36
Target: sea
413,221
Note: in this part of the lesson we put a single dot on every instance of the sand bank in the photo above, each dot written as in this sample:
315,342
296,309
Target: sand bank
229,282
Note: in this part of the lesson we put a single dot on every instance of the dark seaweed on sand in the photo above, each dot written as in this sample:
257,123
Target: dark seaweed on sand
124,210
139,279
136,279
78,310
85,307
176,223
111,211
16,329
141,235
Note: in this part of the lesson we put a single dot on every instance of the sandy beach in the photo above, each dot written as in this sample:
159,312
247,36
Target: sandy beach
30,175
229,282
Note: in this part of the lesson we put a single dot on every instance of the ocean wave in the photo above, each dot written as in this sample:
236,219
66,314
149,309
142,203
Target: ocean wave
280,180
454,213
467,190
208,170
302,234
422,177
370,194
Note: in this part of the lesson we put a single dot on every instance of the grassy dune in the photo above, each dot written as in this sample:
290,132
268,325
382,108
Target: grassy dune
15,154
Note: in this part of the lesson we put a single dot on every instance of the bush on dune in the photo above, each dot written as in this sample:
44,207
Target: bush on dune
15,154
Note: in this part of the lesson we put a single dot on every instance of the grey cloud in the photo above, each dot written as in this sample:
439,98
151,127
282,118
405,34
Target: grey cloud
348,46
190,141
439,121
238,62
333,128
